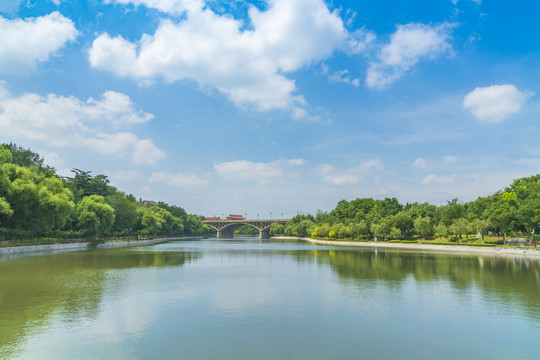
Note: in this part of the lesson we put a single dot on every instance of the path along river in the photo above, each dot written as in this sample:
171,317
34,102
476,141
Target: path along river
244,298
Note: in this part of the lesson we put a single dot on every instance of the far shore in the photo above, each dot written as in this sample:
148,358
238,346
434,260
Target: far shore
444,248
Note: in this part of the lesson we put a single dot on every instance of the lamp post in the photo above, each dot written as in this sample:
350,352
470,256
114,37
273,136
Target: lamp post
270,215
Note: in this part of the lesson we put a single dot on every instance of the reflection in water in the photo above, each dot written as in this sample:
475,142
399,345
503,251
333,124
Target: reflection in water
511,281
33,288
245,299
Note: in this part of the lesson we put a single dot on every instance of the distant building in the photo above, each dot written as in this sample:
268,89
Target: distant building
212,218
235,217
150,202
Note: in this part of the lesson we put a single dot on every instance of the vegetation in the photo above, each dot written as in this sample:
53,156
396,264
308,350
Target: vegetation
514,211
37,203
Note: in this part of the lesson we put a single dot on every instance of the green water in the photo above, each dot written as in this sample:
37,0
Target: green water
247,299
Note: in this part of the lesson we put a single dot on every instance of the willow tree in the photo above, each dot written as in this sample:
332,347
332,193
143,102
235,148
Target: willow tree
93,214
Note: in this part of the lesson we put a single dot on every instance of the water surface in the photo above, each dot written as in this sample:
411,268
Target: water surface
273,299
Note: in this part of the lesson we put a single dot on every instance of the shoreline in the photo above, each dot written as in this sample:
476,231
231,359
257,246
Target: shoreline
50,248
440,248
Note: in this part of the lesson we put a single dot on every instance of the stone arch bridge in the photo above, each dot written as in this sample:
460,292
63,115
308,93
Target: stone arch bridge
225,228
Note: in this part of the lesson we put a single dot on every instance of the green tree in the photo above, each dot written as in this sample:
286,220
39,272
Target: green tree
460,227
55,203
481,226
529,215
276,229
375,230
27,158
5,209
361,229
94,215
125,213
452,211
395,233
502,215
38,203
441,230
403,221
422,226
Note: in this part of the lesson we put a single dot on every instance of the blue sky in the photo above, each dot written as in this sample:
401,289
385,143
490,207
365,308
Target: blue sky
279,106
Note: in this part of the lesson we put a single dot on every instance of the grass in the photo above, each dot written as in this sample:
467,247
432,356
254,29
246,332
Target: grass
490,241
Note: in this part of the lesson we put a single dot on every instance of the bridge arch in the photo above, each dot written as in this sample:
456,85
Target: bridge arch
225,228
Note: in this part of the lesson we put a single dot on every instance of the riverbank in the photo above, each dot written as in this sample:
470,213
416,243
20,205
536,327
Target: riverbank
12,250
430,247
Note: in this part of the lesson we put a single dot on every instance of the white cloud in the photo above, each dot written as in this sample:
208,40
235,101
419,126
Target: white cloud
69,122
248,66
243,170
495,103
55,160
180,179
420,163
345,179
146,152
29,41
450,159
439,179
348,176
167,6
408,45
340,76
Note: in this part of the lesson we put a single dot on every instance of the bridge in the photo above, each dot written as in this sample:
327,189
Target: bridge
225,228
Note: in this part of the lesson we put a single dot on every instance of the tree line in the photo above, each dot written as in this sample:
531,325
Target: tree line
36,202
515,210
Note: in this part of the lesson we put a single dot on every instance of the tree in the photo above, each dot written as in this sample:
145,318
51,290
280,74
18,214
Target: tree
402,221
395,233
94,215
80,183
422,225
452,211
375,228
99,185
460,227
502,215
529,215
360,229
5,209
55,203
27,158
125,213
276,229
38,203
441,230
480,226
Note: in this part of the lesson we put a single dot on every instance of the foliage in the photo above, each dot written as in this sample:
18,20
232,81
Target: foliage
514,210
93,214
34,201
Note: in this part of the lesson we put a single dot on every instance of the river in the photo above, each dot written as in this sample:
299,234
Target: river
246,298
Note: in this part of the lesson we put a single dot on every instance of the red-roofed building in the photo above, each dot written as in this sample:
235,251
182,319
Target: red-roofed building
150,202
212,218
235,217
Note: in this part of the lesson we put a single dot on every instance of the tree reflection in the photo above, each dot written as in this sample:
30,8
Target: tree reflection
34,288
511,281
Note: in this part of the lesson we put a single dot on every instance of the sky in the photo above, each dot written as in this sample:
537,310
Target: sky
278,107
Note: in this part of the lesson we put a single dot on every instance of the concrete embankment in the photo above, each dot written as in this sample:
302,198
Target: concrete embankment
84,245
430,247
